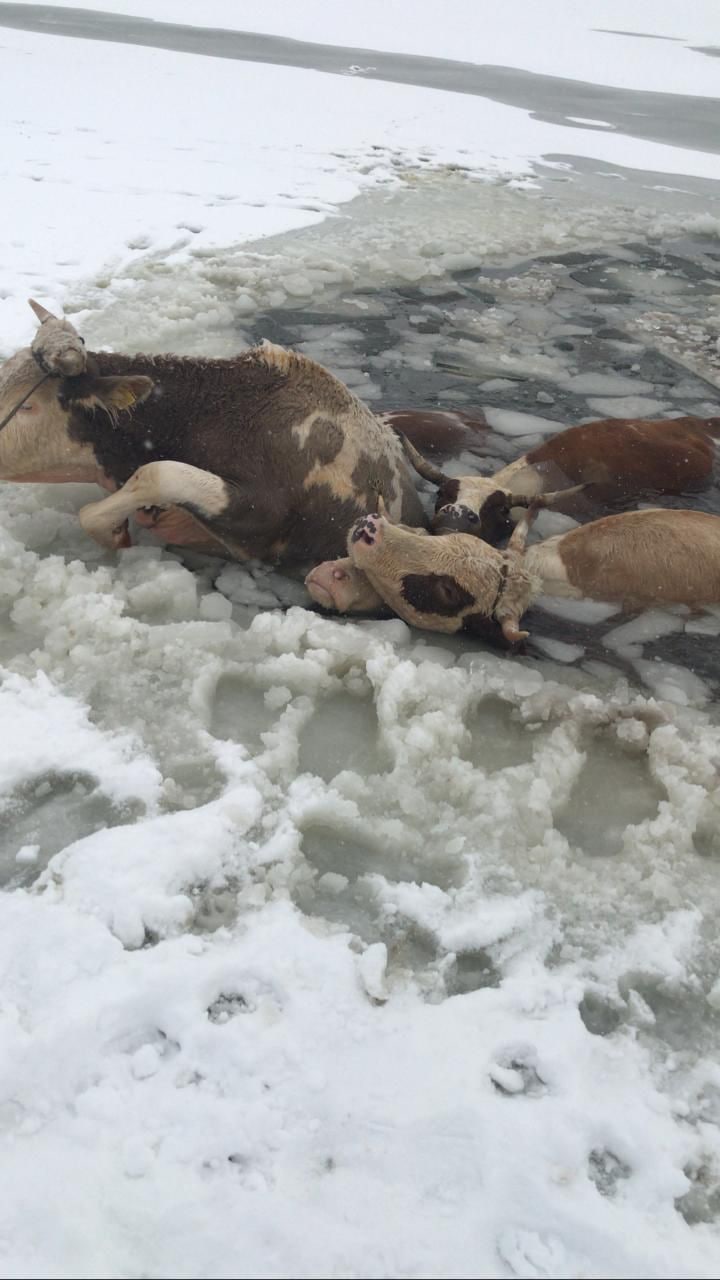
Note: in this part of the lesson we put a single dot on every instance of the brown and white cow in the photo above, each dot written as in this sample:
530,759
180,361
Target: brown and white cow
456,582
592,466
265,455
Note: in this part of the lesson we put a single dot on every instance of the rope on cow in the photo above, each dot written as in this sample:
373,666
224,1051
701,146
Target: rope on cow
8,417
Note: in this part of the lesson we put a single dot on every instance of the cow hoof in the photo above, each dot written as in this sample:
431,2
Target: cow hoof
148,517
366,530
113,538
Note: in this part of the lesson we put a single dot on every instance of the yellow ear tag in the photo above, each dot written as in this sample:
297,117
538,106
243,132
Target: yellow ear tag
124,397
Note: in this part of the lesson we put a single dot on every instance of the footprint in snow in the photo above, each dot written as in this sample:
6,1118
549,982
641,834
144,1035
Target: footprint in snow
529,1254
514,1071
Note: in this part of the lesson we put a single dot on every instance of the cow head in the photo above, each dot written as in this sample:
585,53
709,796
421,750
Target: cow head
476,505
38,442
57,346
338,585
449,583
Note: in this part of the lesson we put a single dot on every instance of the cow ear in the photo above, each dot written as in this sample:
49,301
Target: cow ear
498,498
114,395
448,492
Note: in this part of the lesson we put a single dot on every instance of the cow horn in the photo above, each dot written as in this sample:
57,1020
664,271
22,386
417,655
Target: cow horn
512,632
424,468
41,312
542,500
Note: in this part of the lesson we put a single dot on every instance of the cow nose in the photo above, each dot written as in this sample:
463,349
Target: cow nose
454,517
367,530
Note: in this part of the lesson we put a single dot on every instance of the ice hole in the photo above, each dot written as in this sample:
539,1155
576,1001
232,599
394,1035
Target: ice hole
240,712
615,790
342,734
498,738
52,813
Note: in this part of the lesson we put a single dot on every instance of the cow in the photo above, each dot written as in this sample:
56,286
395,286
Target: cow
596,465
264,456
456,582
447,432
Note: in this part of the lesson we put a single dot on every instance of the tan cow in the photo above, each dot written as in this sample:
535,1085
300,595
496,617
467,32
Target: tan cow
456,582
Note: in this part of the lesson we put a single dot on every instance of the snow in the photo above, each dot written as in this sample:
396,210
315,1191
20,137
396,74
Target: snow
597,44
150,177
330,949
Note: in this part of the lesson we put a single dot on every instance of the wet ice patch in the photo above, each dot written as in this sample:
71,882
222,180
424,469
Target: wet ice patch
580,611
628,407
675,683
342,735
558,650
510,423
595,826
41,818
629,637
605,384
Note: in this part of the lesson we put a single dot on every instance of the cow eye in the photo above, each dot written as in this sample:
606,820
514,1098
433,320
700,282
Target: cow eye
26,408
472,518
435,593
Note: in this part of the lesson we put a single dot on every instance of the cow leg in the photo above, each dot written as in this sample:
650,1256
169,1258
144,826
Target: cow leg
157,484
518,538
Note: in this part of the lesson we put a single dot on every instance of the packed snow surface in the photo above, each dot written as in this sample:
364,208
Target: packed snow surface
330,948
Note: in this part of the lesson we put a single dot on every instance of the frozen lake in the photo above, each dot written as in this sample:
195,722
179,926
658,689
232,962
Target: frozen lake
684,121
332,948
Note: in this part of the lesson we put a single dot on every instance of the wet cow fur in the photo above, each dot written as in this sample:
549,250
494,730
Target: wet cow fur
266,455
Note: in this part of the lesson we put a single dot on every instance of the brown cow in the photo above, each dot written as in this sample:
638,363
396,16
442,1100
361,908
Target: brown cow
265,455
610,462
440,431
455,582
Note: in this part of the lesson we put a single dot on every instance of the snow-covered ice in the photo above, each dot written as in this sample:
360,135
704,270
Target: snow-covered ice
329,949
